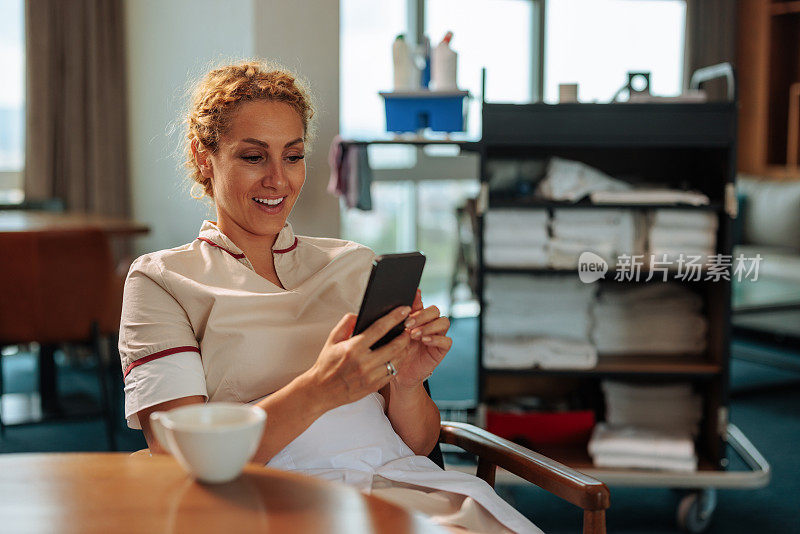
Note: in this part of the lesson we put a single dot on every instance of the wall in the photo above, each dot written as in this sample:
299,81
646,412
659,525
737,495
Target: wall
170,45
304,35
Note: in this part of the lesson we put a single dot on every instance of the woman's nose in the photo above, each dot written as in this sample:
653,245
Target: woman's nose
274,174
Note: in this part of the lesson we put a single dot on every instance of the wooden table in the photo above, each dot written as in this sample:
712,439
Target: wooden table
34,222
114,492
45,221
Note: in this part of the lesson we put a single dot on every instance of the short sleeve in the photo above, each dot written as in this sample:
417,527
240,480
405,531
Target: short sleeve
156,337
162,380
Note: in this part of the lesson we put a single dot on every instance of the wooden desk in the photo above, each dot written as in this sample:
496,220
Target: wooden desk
114,492
44,221
33,223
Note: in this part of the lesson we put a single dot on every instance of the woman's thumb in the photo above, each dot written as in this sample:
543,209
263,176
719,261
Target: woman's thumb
344,329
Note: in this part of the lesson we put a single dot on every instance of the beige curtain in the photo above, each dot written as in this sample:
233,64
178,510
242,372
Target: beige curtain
710,39
76,106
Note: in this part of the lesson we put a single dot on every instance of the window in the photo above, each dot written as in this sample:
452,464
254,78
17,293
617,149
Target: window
366,63
595,43
414,204
12,99
495,34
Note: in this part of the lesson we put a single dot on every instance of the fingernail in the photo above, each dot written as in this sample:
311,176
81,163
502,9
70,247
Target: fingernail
426,339
405,310
409,323
416,334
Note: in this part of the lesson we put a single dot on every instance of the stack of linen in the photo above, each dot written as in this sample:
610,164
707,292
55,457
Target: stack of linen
515,238
647,427
650,195
680,232
657,318
543,321
572,181
606,232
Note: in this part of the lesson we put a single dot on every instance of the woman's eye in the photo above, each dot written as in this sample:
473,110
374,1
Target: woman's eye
295,159
252,159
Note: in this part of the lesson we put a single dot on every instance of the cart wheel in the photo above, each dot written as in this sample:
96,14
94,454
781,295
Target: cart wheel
696,510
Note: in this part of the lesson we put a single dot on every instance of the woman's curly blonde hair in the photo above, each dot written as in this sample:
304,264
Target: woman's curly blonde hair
218,94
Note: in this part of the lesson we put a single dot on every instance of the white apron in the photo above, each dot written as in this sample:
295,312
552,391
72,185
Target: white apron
327,449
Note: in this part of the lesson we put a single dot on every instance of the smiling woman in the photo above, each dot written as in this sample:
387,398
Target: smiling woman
251,313
255,175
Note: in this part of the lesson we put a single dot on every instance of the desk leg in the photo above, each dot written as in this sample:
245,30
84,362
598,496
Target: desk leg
47,380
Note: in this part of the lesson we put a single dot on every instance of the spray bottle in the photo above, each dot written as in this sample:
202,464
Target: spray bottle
444,61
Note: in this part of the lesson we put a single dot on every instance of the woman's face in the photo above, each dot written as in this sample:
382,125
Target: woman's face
258,169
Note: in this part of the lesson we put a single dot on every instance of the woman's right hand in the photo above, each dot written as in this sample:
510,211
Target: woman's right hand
347,370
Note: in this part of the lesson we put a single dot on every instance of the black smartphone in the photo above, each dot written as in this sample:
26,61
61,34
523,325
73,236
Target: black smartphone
393,282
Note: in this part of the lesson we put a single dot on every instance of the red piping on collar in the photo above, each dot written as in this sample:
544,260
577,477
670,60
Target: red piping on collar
207,240
285,250
158,355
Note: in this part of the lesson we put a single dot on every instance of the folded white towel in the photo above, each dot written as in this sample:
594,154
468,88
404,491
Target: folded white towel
631,461
650,196
663,407
621,439
696,220
589,215
531,238
516,227
644,311
546,352
565,254
525,300
515,256
533,285
675,259
573,180
652,348
675,237
575,326
656,294
679,407
584,233
648,391
643,327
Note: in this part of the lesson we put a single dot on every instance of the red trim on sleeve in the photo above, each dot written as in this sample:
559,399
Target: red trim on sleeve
157,355
285,250
207,240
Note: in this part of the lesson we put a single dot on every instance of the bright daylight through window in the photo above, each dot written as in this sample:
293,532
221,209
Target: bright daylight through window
12,100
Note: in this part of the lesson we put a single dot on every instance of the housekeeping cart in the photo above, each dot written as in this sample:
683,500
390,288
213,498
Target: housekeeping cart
686,146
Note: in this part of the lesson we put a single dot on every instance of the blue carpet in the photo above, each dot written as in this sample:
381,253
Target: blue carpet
767,410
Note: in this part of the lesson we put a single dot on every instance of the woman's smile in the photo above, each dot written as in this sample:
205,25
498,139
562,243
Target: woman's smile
270,205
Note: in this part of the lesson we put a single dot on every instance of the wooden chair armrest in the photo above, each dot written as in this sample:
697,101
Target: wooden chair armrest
571,485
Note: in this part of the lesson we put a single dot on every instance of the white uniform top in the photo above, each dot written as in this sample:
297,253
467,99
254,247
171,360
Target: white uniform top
198,320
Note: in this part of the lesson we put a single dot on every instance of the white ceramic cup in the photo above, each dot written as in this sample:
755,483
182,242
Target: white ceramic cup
211,441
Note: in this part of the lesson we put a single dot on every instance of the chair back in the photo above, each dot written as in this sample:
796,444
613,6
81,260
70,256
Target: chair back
55,285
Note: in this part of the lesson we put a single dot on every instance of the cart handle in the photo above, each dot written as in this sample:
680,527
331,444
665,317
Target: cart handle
720,70
754,460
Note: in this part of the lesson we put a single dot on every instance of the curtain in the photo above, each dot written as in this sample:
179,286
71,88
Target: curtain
76,123
710,39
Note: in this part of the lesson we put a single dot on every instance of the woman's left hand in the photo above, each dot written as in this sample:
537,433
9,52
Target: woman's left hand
428,345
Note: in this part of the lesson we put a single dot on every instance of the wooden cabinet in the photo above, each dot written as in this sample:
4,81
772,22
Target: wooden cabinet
768,65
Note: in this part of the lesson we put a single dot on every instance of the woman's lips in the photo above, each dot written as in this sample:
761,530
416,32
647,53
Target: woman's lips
271,209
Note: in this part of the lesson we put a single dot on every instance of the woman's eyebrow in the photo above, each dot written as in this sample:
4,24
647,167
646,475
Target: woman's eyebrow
259,142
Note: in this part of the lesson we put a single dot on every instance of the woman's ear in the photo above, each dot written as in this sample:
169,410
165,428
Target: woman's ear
201,158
